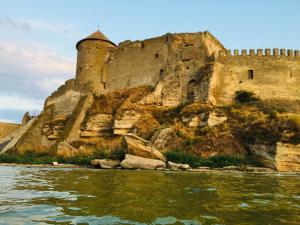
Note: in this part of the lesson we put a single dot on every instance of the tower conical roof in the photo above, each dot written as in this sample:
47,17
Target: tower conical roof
96,36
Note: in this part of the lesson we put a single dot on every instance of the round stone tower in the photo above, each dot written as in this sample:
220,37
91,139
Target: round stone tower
91,53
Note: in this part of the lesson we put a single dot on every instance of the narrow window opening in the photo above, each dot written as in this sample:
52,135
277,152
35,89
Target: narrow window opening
79,68
250,74
104,85
161,73
291,73
156,55
190,91
187,68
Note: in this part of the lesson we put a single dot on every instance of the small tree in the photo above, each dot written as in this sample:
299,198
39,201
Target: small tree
245,97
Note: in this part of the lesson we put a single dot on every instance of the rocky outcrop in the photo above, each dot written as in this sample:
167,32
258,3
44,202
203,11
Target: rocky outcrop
264,153
53,129
7,128
65,150
105,163
178,166
136,162
18,135
282,157
287,157
79,114
164,138
138,146
214,119
26,118
98,125
124,124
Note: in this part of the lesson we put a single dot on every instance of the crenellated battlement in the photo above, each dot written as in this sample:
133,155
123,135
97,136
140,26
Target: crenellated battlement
276,52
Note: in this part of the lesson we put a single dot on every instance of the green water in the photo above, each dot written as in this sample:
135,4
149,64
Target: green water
34,195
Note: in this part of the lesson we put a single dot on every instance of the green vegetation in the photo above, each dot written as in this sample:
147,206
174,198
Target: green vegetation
245,97
214,162
33,158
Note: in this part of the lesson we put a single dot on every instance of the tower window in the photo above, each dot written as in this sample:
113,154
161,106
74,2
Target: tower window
250,74
156,55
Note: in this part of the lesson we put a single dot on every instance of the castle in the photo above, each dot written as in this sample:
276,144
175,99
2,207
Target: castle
185,68
177,69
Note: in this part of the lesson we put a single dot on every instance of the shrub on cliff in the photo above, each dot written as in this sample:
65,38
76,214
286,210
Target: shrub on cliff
245,97
214,161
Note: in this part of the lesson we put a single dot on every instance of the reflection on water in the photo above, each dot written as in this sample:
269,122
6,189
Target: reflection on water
34,195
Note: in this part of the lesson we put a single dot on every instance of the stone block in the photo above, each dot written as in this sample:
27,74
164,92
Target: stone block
136,162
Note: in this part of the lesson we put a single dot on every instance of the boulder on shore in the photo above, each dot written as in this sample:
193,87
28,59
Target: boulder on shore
178,166
136,162
137,146
105,163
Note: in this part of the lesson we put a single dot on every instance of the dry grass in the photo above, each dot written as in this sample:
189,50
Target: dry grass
146,126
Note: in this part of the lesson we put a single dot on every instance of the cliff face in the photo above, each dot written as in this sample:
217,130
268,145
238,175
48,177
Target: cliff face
172,92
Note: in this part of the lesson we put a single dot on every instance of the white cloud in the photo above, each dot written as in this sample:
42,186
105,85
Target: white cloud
20,103
33,67
29,25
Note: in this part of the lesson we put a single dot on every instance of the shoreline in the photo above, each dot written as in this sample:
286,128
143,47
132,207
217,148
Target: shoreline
256,170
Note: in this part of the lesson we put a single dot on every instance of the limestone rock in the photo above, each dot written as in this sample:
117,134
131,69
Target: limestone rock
258,169
98,125
264,153
124,124
287,157
55,164
155,97
65,150
105,163
163,138
178,166
230,168
194,122
136,162
137,146
26,118
214,120
18,135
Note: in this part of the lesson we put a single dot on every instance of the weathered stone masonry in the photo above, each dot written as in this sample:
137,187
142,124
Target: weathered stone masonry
272,76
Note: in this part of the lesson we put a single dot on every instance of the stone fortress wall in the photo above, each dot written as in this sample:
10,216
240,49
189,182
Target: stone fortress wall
273,76
177,65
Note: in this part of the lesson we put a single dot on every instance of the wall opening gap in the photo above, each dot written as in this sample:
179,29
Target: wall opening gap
250,74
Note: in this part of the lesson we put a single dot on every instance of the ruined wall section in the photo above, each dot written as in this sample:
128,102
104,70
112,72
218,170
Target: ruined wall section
272,76
173,64
64,99
137,63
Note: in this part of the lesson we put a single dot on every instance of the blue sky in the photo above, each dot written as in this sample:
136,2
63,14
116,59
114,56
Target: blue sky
37,38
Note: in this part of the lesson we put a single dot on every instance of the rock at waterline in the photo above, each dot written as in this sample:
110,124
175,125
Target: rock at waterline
105,163
178,166
138,146
55,164
136,162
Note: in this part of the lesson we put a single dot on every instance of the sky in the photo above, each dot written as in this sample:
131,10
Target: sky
38,37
